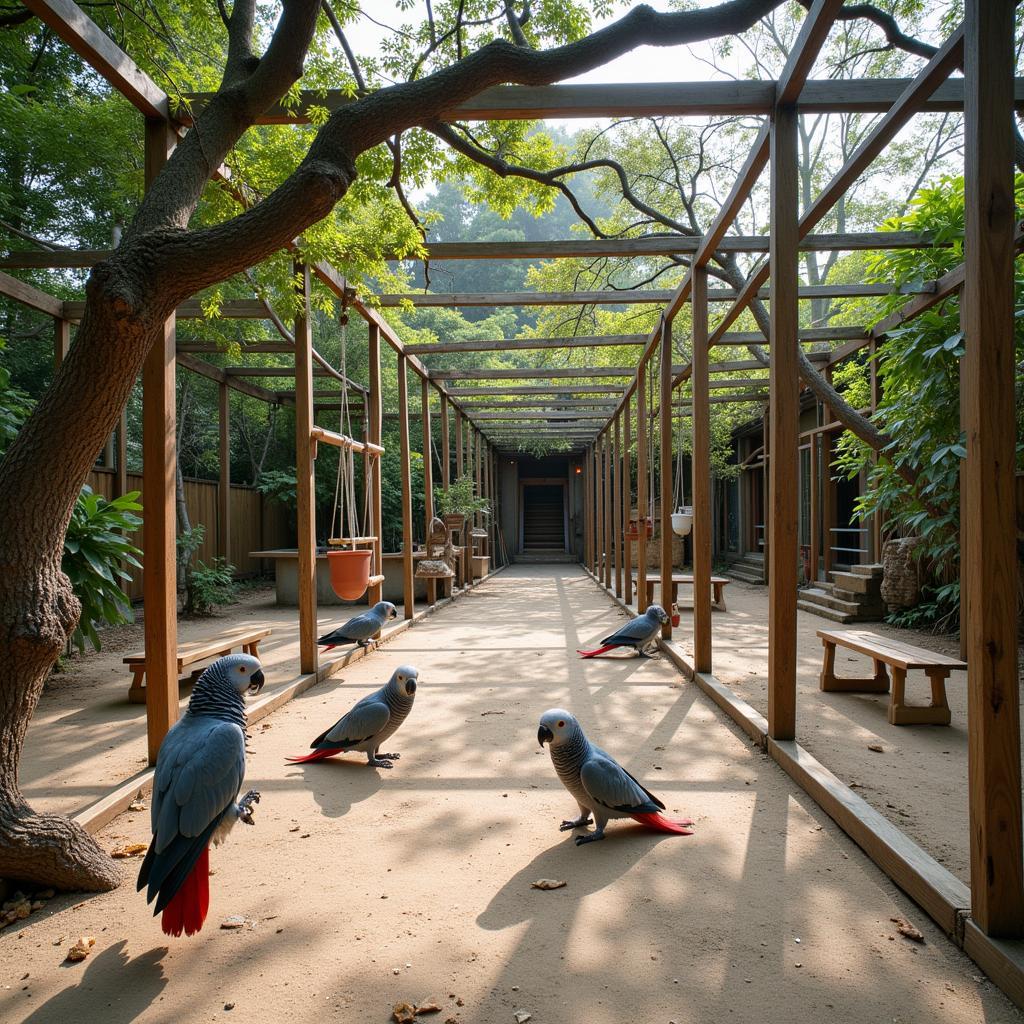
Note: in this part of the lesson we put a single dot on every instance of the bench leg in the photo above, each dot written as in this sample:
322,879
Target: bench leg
253,649
936,713
719,600
829,682
137,692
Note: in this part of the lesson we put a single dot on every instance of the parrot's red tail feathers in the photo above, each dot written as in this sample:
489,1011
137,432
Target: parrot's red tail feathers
328,647
594,653
317,755
662,824
187,910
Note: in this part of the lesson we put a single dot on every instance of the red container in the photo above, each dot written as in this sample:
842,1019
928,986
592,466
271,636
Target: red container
350,572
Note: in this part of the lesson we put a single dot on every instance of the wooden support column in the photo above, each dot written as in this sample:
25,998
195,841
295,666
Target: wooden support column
599,479
446,446
617,506
305,488
121,469
987,500
405,458
159,523
784,416
373,435
224,482
478,470
701,484
458,444
428,477
627,505
815,537
609,552
61,341
587,507
665,467
641,487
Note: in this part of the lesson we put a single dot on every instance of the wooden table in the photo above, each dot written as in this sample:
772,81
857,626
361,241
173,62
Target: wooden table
200,650
718,584
900,658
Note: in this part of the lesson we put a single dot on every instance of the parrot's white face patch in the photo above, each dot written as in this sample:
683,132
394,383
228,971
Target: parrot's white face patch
555,725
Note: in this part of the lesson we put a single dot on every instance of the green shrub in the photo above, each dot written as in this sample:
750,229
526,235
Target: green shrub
208,586
95,550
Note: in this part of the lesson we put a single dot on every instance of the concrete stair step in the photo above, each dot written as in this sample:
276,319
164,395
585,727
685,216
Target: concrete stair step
746,573
874,569
857,583
826,613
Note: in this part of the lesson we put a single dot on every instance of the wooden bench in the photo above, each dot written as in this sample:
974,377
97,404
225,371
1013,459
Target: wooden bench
718,584
200,650
900,658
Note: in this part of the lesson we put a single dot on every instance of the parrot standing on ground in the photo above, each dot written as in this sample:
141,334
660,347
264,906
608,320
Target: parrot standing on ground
199,772
360,629
636,633
599,784
370,723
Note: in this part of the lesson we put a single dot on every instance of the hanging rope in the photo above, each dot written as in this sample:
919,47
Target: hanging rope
680,490
345,484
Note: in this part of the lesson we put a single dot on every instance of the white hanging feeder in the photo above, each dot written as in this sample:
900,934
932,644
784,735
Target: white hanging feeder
682,520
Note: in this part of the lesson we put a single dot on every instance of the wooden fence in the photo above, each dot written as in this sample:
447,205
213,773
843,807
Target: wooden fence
256,522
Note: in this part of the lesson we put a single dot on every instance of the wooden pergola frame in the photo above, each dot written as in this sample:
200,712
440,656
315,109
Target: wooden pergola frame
993,910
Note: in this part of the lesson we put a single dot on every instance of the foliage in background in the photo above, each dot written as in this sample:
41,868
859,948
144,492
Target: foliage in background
95,550
209,585
919,370
461,499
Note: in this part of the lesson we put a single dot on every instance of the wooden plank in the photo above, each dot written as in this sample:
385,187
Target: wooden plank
533,373
29,295
458,444
406,467
159,520
539,389
804,52
627,502
374,426
893,652
305,473
84,36
61,341
617,505
224,482
211,372
528,344
784,414
989,573
446,446
641,486
701,462
1001,959
609,553
428,476
665,469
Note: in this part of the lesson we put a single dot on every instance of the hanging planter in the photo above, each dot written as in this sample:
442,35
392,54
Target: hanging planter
350,572
682,520
675,616
633,529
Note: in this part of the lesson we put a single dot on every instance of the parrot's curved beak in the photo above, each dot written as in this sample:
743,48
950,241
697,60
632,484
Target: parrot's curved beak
410,687
544,735
256,681
393,614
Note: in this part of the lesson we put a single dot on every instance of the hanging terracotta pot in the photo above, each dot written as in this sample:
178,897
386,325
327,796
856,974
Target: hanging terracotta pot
633,529
350,572
675,616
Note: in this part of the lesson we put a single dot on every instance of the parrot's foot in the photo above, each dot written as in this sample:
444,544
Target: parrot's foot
389,757
245,807
590,837
377,762
580,822
365,643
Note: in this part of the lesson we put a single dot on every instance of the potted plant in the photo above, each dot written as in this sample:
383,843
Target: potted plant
459,501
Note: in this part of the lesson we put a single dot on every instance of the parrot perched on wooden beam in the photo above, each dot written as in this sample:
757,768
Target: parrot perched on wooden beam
360,629
199,773
638,633
370,723
599,784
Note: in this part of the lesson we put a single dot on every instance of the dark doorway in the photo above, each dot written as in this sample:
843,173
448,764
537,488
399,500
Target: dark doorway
544,518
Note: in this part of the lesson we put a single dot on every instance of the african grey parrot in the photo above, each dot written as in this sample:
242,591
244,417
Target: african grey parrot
636,633
360,629
372,721
599,784
199,772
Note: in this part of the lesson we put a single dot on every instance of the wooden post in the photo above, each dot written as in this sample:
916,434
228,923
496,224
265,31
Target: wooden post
458,444
121,470
61,341
665,466
701,484
446,446
428,478
478,470
587,511
875,534
305,488
815,553
373,434
987,499
609,552
617,506
641,487
159,523
784,416
828,489
627,504
405,457
599,480
224,483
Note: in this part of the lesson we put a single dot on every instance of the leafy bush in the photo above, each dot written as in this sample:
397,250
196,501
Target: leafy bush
95,549
208,586
460,498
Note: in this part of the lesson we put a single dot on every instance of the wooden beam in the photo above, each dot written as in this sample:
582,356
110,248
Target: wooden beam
374,425
609,551
458,443
989,576
701,476
814,30
784,414
550,404
224,482
217,373
627,504
61,341
29,295
527,344
566,415
542,373
69,23
540,389
159,520
646,99
665,471
405,457
255,347
446,446
305,487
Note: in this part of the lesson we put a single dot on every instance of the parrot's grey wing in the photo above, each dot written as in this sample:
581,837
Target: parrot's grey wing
362,627
611,785
365,720
633,631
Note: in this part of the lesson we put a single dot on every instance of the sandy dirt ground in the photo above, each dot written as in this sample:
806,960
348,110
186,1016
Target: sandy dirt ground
920,768
362,887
